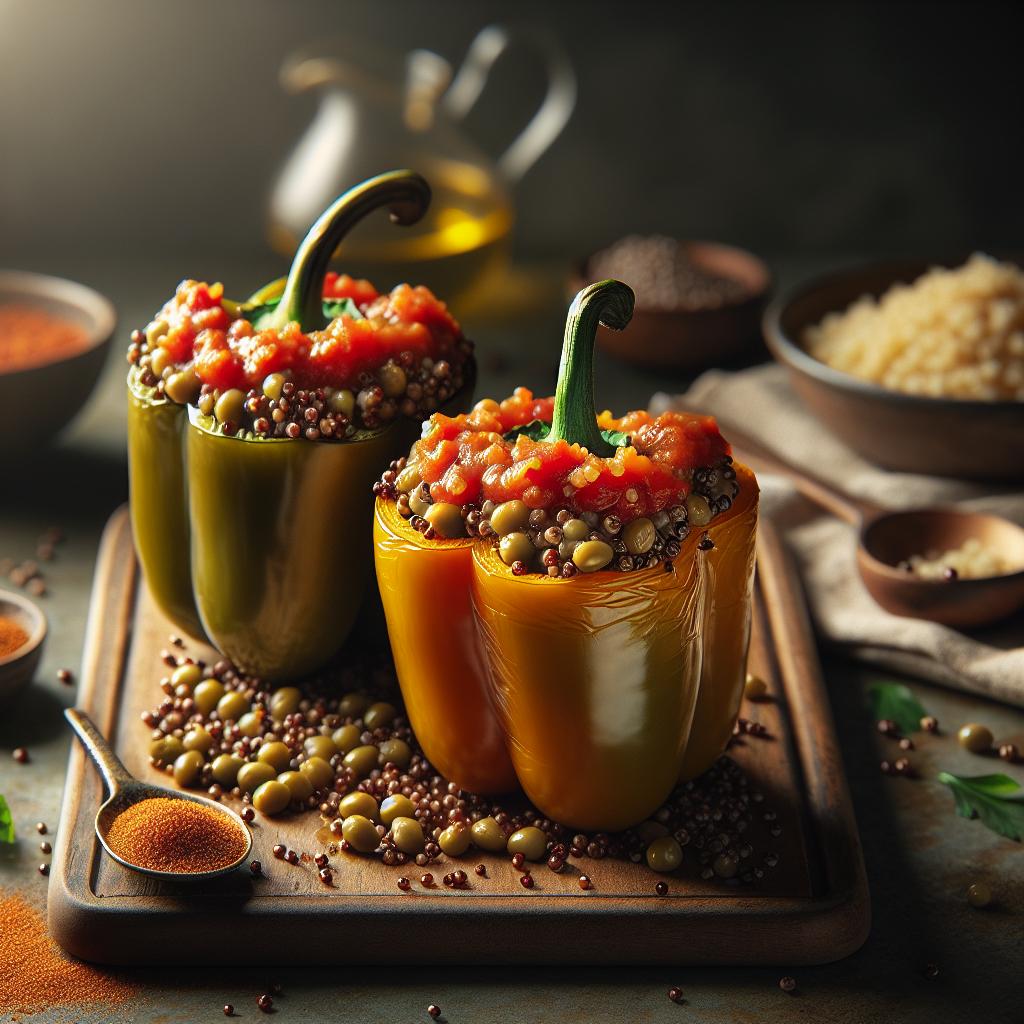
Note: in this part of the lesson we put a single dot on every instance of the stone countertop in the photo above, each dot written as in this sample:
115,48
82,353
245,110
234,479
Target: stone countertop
920,856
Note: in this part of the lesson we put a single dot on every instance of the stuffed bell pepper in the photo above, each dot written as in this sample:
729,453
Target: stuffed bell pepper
568,595
255,430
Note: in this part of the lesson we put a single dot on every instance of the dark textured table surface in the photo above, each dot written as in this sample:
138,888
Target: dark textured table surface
920,856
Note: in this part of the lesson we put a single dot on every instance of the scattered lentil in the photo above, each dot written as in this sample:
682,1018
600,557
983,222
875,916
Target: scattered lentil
979,894
975,738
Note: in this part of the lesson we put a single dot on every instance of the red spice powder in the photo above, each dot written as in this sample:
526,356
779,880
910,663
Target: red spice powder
29,336
175,835
12,636
35,975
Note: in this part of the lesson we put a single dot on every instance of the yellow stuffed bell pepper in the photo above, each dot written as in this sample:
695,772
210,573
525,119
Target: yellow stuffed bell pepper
611,579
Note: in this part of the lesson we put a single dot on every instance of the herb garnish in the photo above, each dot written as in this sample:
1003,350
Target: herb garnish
895,702
995,800
6,823
538,430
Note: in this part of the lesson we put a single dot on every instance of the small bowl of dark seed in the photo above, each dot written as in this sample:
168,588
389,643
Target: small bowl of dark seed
22,633
698,304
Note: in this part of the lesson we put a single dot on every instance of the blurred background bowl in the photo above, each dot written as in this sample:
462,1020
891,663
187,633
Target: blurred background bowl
18,668
43,399
688,339
974,440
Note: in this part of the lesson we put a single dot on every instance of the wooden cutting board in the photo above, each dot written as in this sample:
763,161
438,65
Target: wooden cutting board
812,908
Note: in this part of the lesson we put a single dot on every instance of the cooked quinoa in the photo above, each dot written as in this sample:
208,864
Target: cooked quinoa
952,333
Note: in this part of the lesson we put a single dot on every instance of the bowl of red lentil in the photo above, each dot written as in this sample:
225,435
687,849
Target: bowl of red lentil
54,336
22,633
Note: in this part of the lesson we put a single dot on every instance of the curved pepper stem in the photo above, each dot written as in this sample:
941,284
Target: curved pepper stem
405,192
575,417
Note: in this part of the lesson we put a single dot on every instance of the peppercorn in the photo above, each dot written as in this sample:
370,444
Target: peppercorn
20,754
265,1003
675,994
44,869
585,882
279,850
787,984
661,888
404,884
256,868
526,881
1009,752
481,870
434,1010
229,1010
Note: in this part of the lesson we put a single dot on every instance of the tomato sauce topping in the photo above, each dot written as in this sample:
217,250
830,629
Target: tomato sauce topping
226,351
466,459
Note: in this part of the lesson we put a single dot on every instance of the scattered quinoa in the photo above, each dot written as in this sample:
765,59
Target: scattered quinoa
35,975
952,333
163,834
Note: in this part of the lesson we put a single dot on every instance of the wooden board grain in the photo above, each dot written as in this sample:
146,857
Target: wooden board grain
812,908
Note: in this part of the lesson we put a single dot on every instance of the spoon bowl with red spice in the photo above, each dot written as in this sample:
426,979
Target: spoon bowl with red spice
22,634
158,831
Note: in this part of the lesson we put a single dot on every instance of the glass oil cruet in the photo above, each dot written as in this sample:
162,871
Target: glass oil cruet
379,111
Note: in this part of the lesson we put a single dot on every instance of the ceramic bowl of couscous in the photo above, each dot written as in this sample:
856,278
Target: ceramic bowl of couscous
917,366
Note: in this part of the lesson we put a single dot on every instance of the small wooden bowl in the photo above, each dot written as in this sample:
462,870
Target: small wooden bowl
18,668
37,402
962,603
973,440
693,339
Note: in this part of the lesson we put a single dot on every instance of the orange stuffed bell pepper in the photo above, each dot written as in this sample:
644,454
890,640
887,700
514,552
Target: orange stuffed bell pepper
611,566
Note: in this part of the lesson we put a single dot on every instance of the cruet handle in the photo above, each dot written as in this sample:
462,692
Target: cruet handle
554,112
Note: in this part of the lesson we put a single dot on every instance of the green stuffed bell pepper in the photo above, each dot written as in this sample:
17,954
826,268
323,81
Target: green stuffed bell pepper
255,430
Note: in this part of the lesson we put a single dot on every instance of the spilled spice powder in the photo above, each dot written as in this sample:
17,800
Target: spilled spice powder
12,636
35,975
175,835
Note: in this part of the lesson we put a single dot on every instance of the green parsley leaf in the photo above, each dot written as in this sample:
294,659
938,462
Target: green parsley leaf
895,702
536,430
995,800
6,823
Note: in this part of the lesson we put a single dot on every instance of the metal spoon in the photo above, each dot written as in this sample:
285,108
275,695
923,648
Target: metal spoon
888,538
126,790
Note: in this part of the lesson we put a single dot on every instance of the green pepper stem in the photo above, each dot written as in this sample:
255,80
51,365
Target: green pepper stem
575,416
405,192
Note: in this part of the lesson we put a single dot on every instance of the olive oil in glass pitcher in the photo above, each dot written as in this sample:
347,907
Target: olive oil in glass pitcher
379,111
